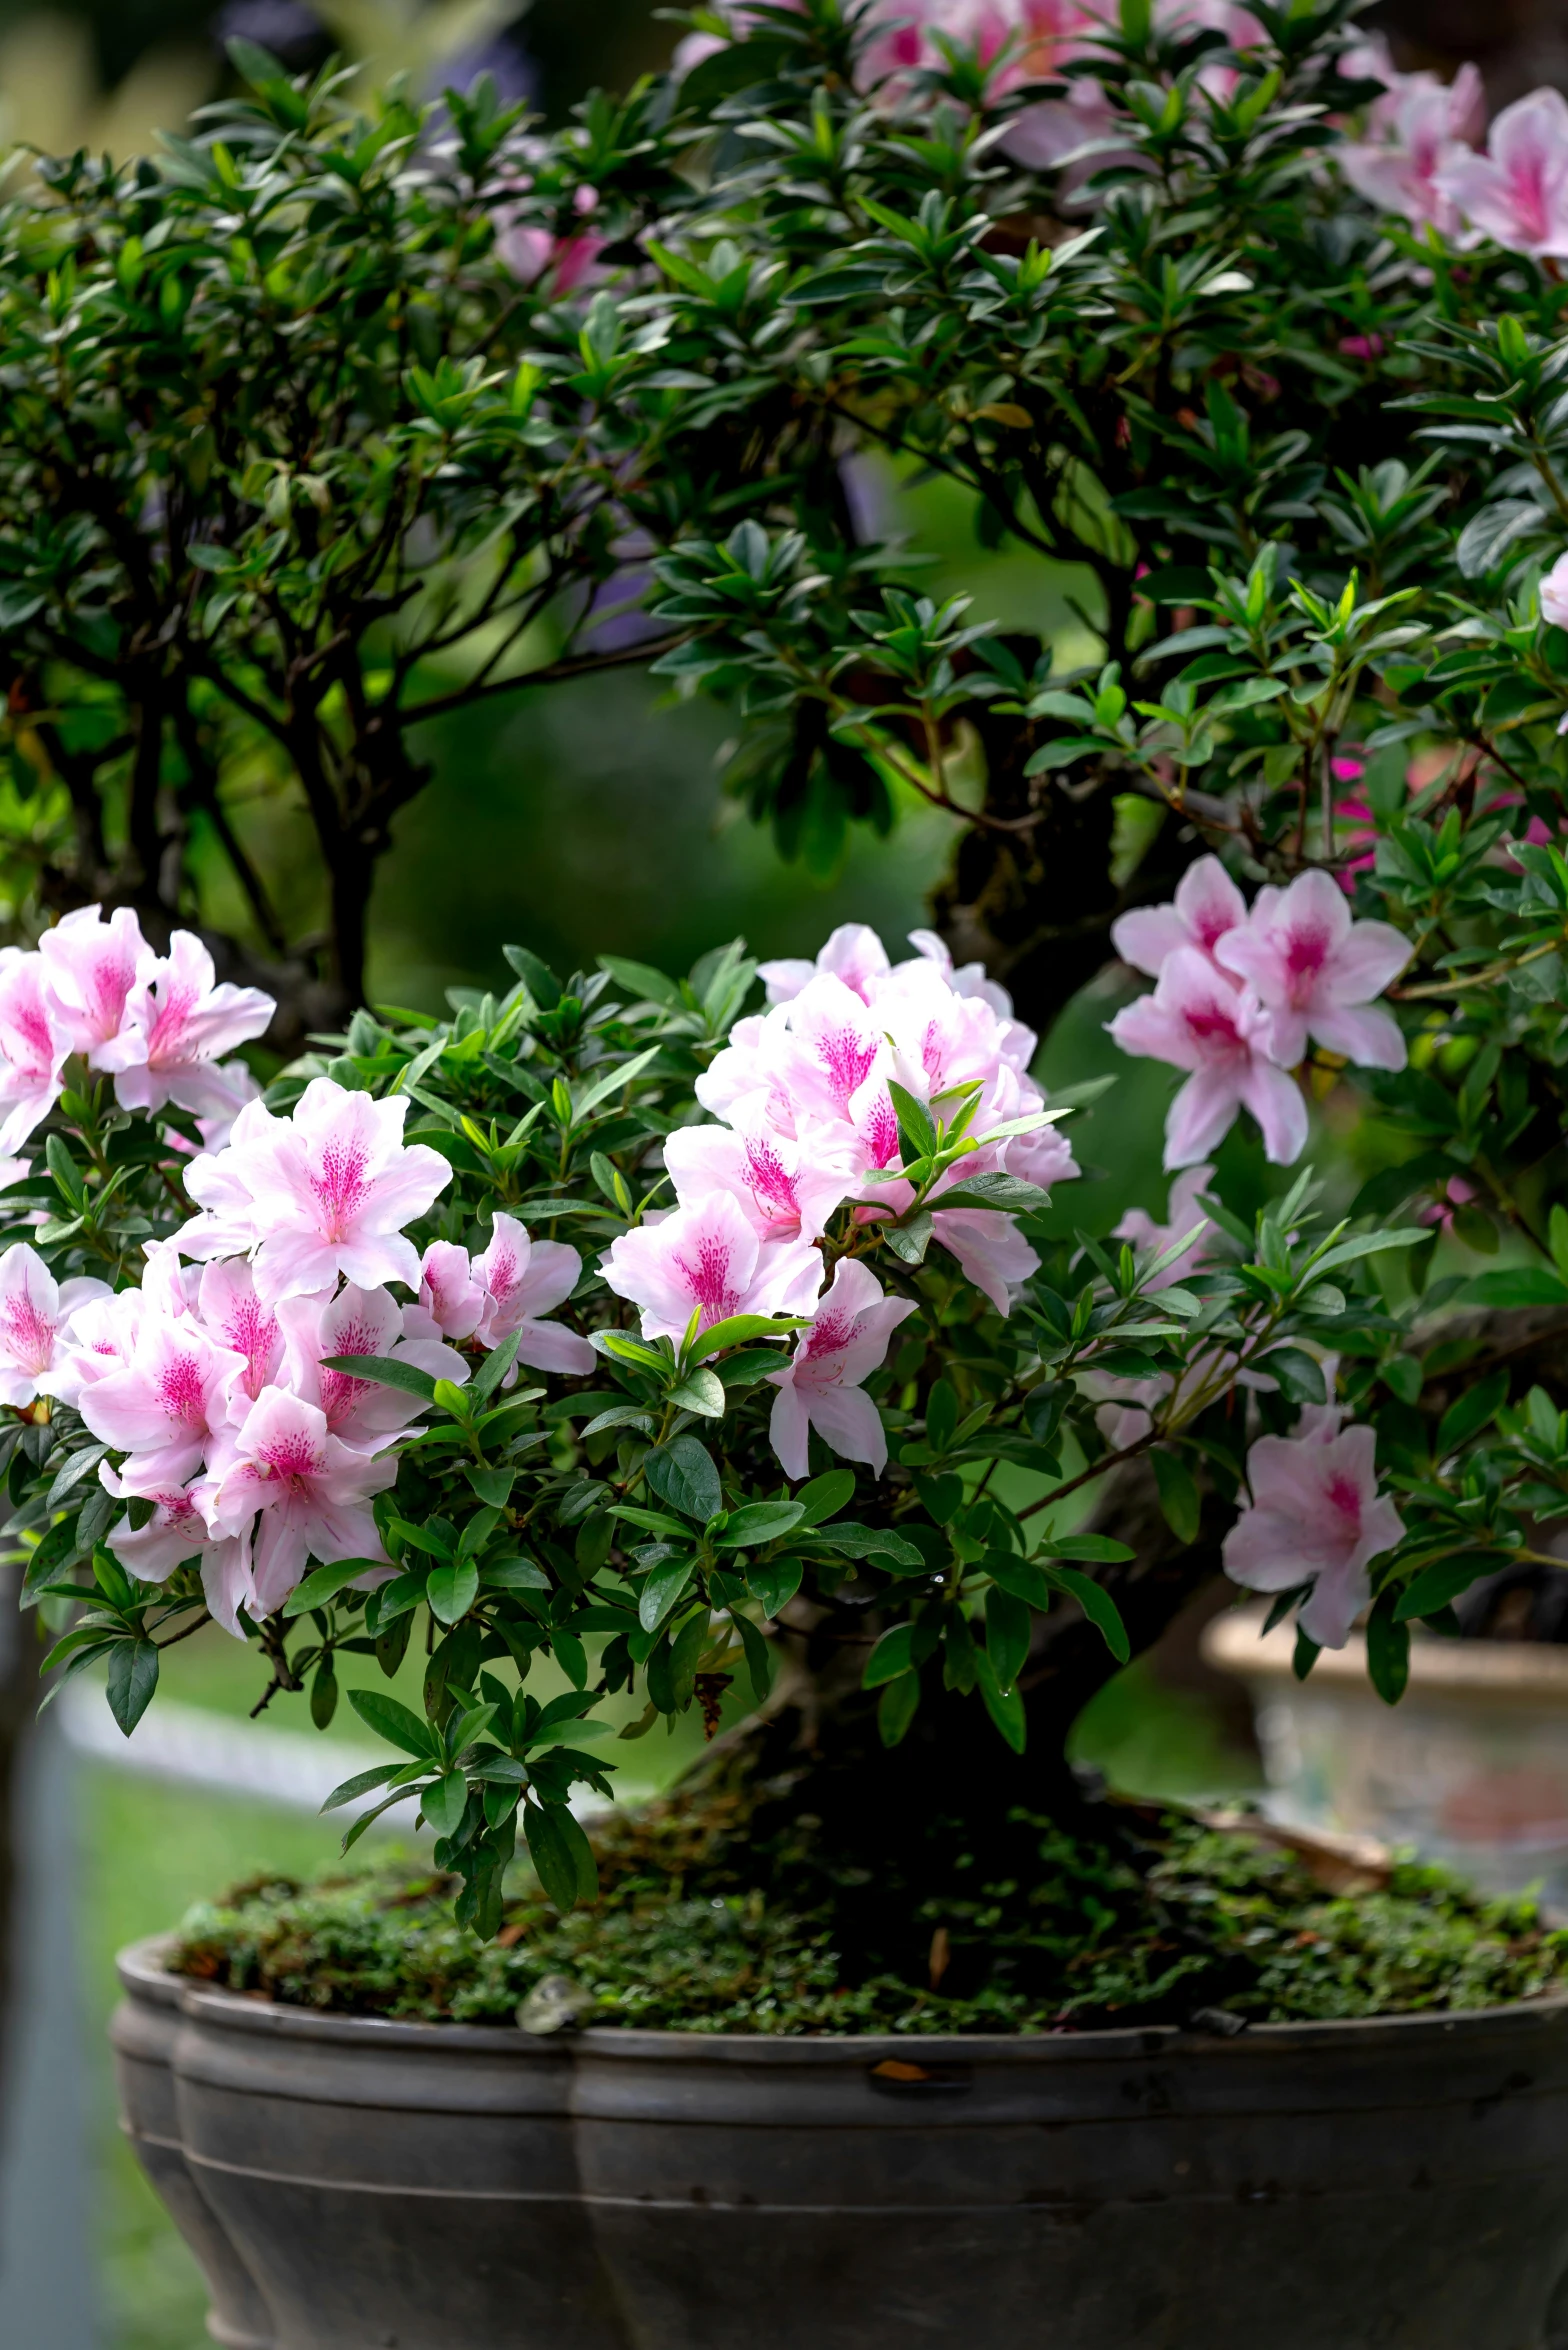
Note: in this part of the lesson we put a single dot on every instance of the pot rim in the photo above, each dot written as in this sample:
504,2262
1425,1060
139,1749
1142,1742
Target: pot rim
1520,1669
142,1974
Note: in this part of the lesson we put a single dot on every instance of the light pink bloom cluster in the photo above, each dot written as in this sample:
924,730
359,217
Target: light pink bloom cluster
1517,192
1238,993
214,1379
1414,135
807,1128
1316,1516
159,1024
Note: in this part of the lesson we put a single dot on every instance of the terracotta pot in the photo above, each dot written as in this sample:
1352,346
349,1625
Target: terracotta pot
1402,2184
1471,1766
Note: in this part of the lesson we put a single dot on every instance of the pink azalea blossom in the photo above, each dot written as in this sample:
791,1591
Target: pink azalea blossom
965,978
853,953
1197,1019
823,1386
363,1412
538,258
178,1022
1207,905
178,1531
1415,131
788,1187
1316,971
1554,594
166,1404
708,1259
1184,1220
1517,192
523,1279
1316,1515
97,1337
34,1047
832,1045
312,1490
234,1317
92,967
451,1301
991,1251
324,1193
34,1312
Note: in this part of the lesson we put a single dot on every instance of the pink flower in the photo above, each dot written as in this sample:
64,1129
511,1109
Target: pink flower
968,979
34,1310
166,1404
1316,971
92,967
175,1532
521,1280
991,1251
1184,1220
362,1412
1517,192
823,1386
34,1046
324,1193
853,953
449,1296
1206,906
312,1490
1554,594
1415,132
97,1337
540,259
177,1023
234,1317
832,1045
1198,1020
788,1188
708,1259
1316,1515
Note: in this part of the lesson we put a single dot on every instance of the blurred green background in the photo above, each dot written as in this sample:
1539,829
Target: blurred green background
573,821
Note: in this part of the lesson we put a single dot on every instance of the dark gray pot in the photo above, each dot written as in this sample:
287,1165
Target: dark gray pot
1400,2185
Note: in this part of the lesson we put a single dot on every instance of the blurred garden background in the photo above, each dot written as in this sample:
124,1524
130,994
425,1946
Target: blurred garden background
587,819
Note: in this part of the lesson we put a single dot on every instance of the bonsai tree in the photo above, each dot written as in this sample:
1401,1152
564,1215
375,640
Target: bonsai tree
819,1412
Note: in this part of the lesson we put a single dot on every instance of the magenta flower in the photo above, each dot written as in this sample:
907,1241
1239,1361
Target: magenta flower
1517,192
1206,906
363,1412
34,1311
233,1316
523,1279
1198,1019
1316,1516
166,1404
853,953
312,1490
177,1023
34,1047
324,1193
92,967
708,1260
1316,971
832,1045
1416,131
823,1386
1184,1220
788,1188
451,1301
991,1251
178,1531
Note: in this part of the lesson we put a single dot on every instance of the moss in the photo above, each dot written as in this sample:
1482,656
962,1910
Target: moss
1160,1919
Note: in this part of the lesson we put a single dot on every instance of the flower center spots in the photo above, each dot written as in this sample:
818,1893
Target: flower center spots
1306,952
829,1334
165,1045
1213,1026
847,1058
292,1460
251,1333
31,1027
178,1509
29,1335
1344,1496
340,1390
1212,926
340,1187
931,1055
108,985
180,1390
502,1275
769,1180
1528,189
707,1278
882,1134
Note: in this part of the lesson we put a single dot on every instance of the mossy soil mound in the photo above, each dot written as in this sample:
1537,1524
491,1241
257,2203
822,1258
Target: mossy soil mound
1152,1917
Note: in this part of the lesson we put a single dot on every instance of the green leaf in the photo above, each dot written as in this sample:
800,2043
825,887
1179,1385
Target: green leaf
361,1784
445,1803
916,1131
1300,1375
641,980
897,1707
701,1392
492,1485
1098,1606
75,1469
682,1473
324,1583
451,1591
1004,1705
741,1329
891,1657
382,1371
1369,1244
1440,1584
825,1496
665,1587
1388,1651
759,1657
1096,1549
493,1369
1520,1285
1306,1656
943,1496
613,1081
324,1694
758,1522
394,1722
1178,1495
1007,1194
516,1574
1009,1625
878,1543
774,1584
1472,1412
133,1676
1024,1578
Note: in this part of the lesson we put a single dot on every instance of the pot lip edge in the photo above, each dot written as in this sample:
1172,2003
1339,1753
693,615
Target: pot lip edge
201,2002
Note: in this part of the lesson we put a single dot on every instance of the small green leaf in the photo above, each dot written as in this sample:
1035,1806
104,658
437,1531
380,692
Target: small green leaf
361,1784
555,1847
1009,1625
394,1722
825,1496
897,1707
445,1803
1004,1705
1098,1606
758,1522
774,1584
1178,1495
665,1587
451,1591
1471,1413
1388,1651
383,1371
682,1473
701,1392
1440,1584
324,1583
133,1677
891,1657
